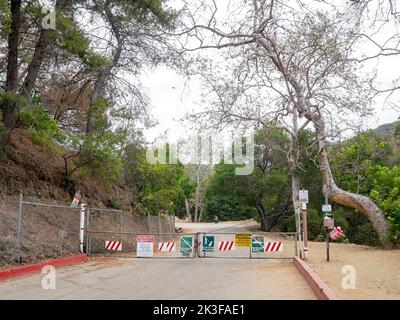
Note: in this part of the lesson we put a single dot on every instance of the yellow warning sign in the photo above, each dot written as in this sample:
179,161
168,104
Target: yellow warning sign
242,239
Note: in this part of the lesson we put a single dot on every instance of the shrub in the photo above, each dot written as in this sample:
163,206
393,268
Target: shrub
44,130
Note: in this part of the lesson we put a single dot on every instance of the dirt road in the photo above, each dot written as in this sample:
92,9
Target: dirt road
130,278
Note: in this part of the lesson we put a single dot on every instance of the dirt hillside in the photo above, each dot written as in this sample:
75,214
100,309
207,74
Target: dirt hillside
40,173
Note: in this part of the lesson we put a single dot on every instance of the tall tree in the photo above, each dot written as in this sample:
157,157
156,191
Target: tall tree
307,54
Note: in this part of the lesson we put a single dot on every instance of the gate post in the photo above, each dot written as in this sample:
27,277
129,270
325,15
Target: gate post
197,245
148,220
82,226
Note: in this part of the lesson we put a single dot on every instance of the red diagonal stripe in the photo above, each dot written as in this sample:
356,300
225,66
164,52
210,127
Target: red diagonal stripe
230,247
113,245
119,244
273,246
108,245
279,246
268,245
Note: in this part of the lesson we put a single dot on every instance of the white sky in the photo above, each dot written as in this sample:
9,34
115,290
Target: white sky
171,100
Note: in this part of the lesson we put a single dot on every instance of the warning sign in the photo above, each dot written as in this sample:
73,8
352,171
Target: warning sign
242,239
144,246
257,244
208,243
186,244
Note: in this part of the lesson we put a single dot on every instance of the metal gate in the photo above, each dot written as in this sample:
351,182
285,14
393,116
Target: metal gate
262,245
192,245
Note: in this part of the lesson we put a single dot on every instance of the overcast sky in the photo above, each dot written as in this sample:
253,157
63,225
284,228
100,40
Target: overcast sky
172,96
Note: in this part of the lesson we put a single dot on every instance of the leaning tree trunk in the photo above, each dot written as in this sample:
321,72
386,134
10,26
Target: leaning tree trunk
359,202
98,91
261,211
10,108
294,152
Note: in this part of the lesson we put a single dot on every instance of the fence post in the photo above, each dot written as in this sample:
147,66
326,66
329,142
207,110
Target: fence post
82,226
159,222
148,221
120,226
19,220
173,223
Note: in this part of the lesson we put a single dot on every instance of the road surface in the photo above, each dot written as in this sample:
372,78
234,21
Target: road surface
130,278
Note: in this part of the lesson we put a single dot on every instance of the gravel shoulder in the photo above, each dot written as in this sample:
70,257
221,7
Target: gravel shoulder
377,270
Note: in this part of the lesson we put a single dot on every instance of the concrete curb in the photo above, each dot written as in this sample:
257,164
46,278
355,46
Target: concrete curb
321,290
21,271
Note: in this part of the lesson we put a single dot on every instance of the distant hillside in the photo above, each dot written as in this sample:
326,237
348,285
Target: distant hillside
387,128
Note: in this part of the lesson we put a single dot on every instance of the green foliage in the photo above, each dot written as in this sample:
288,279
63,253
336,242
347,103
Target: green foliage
100,154
11,97
44,130
397,131
228,195
148,11
5,19
364,164
160,187
74,41
228,208
385,191
315,224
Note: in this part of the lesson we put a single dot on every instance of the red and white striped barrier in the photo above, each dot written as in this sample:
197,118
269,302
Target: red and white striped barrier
166,246
226,245
274,246
114,245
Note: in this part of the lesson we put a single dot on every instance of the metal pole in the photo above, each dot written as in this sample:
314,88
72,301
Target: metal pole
120,226
82,226
300,233
305,235
159,223
327,230
19,220
327,244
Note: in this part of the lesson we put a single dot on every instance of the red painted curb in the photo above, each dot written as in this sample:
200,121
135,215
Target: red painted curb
20,271
321,290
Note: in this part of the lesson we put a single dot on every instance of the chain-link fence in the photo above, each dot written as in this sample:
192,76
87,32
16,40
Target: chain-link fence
34,229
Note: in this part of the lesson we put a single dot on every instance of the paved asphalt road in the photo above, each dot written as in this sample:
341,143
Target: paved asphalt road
131,278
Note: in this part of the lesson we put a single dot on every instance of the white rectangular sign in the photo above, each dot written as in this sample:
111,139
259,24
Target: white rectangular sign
326,208
303,196
144,246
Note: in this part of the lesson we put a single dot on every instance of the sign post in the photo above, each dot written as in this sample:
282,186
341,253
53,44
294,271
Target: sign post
303,199
82,226
329,223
